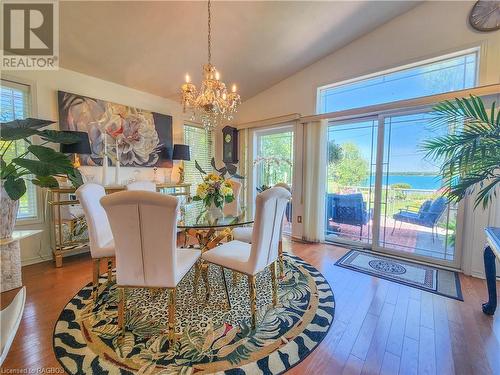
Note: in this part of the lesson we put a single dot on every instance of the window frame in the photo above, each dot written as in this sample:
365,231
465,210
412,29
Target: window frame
40,216
477,50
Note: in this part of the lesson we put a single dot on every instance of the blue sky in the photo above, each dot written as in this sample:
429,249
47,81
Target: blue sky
404,134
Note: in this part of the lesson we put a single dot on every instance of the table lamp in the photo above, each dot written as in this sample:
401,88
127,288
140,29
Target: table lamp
181,152
82,146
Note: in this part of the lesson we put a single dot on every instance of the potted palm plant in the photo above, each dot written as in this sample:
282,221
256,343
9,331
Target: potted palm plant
39,165
469,155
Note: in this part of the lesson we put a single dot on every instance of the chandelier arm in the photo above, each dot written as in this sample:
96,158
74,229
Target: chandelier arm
209,33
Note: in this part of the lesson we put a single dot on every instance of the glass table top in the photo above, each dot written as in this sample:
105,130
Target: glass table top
195,215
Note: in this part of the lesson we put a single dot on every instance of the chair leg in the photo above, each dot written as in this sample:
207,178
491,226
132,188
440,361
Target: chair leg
394,227
253,300
197,273
204,275
360,231
110,270
280,256
122,305
225,287
96,262
171,315
275,284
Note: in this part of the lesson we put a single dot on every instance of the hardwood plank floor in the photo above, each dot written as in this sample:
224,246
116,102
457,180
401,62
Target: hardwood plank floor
380,327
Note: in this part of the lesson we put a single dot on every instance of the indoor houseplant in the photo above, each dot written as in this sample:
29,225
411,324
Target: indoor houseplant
214,191
469,153
39,164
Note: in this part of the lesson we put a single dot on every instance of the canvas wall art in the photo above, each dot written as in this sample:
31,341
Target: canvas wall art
140,138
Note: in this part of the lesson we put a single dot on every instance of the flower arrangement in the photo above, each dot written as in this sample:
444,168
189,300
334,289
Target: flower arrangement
214,190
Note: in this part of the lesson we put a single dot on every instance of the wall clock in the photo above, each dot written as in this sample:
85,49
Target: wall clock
485,15
229,144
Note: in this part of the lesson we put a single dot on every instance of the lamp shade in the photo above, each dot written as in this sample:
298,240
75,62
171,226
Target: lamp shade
181,152
80,147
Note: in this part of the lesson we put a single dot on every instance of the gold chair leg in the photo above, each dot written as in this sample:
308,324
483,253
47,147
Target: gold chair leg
96,262
204,275
280,256
275,284
197,273
171,315
110,270
122,305
253,300
225,287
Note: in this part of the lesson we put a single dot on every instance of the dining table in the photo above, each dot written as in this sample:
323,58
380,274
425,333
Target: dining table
209,230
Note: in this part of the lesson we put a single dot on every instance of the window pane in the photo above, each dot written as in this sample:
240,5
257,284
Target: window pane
15,105
201,147
446,75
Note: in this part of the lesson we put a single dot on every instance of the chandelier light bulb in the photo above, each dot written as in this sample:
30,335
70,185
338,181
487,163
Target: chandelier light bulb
233,89
188,78
217,75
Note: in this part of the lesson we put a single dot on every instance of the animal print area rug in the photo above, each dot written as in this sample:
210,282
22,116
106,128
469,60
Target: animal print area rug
211,338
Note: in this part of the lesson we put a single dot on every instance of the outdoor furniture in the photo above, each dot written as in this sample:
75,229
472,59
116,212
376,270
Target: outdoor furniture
427,215
347,209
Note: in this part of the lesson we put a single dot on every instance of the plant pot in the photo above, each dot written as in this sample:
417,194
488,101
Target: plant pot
8,212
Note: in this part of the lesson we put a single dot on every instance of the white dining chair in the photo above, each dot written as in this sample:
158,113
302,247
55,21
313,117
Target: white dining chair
233,208
101,241
142,185
251,259
144,226
244,234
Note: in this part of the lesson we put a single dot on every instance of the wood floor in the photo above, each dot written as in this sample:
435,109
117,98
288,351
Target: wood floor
379,328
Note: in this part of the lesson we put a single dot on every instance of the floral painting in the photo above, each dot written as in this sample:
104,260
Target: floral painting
139,138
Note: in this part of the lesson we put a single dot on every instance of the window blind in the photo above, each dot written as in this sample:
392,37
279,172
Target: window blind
15,104
200,144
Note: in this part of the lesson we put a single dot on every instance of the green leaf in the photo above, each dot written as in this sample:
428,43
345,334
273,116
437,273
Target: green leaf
14,134
75,177
15,188
27,123
7,170
50,162
45,181
56,136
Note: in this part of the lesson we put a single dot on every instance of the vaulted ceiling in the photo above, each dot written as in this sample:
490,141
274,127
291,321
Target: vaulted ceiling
150,46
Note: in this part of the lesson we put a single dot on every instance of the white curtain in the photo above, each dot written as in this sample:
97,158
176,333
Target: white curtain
315,146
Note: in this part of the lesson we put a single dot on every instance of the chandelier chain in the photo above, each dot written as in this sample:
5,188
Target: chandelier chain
209,33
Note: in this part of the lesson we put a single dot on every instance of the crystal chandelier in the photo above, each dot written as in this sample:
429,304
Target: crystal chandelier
212,104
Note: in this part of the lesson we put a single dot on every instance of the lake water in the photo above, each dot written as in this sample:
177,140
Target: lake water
416,181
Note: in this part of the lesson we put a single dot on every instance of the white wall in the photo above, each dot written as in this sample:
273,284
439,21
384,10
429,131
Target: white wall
429,30
45,85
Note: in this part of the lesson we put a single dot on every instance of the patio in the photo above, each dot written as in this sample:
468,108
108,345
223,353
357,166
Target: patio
408,238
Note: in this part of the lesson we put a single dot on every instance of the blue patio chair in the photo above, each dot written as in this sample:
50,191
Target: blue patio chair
347,209
427,215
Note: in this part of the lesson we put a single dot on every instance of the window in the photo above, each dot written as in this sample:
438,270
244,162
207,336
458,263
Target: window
445,74
200,144
15,104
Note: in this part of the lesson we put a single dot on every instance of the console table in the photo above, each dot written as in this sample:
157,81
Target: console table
65,196
10,250
491,253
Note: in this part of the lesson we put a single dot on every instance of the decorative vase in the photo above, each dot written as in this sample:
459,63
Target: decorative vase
214,212
8,210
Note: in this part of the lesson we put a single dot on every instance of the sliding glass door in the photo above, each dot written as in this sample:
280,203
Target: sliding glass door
384,194
414,217
351,181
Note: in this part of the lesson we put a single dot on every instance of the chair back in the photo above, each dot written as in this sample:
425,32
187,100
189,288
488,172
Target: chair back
233,208
284,185
99,230
347,208
144,226
142,185
269,210
435,211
